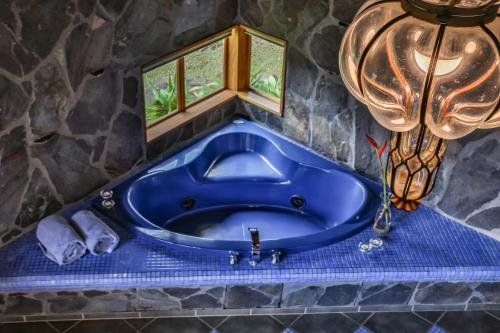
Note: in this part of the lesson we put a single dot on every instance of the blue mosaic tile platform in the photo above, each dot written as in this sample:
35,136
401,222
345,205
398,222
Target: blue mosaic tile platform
423,246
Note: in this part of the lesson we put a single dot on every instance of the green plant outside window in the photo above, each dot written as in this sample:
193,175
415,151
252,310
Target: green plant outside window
204,71
203,75
160,92
266,67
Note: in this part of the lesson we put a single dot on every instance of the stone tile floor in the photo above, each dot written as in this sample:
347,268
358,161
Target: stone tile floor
361,322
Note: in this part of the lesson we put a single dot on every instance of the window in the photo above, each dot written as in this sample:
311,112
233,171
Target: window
236,63
160,92
180,80
266,67
204,72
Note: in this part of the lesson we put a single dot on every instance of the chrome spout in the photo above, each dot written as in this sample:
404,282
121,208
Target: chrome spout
255,251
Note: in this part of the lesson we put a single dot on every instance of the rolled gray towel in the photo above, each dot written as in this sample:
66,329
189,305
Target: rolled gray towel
58,240
98,237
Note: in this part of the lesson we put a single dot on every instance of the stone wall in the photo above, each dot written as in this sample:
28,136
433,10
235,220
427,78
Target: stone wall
248,299
320,113
70,116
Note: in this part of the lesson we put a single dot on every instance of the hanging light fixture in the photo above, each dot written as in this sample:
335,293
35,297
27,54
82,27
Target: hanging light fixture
428,70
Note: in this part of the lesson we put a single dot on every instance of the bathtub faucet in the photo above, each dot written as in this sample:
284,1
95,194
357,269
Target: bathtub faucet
255,253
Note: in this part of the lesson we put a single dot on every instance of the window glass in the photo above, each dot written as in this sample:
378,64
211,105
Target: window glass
266,67
192,76
160,92
204,71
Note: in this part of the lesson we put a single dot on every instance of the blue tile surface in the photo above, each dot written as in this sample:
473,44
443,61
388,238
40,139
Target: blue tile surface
289,330
436,329
423,246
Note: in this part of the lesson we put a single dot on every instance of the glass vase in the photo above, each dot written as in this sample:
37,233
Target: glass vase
382,219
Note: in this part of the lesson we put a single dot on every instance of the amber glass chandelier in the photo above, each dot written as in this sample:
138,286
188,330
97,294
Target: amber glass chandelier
428,70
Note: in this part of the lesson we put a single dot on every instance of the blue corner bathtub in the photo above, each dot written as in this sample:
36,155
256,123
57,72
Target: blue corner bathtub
209,195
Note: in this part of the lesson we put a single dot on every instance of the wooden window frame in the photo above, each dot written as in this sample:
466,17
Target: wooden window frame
236,79
265,101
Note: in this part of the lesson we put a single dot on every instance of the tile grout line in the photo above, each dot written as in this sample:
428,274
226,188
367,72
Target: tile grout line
53,327
278,321
130,325
421,317
296,319
152,320
494,316
204,322
72,326
350,319
76,322
222,322
293,322
440,317
368,318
